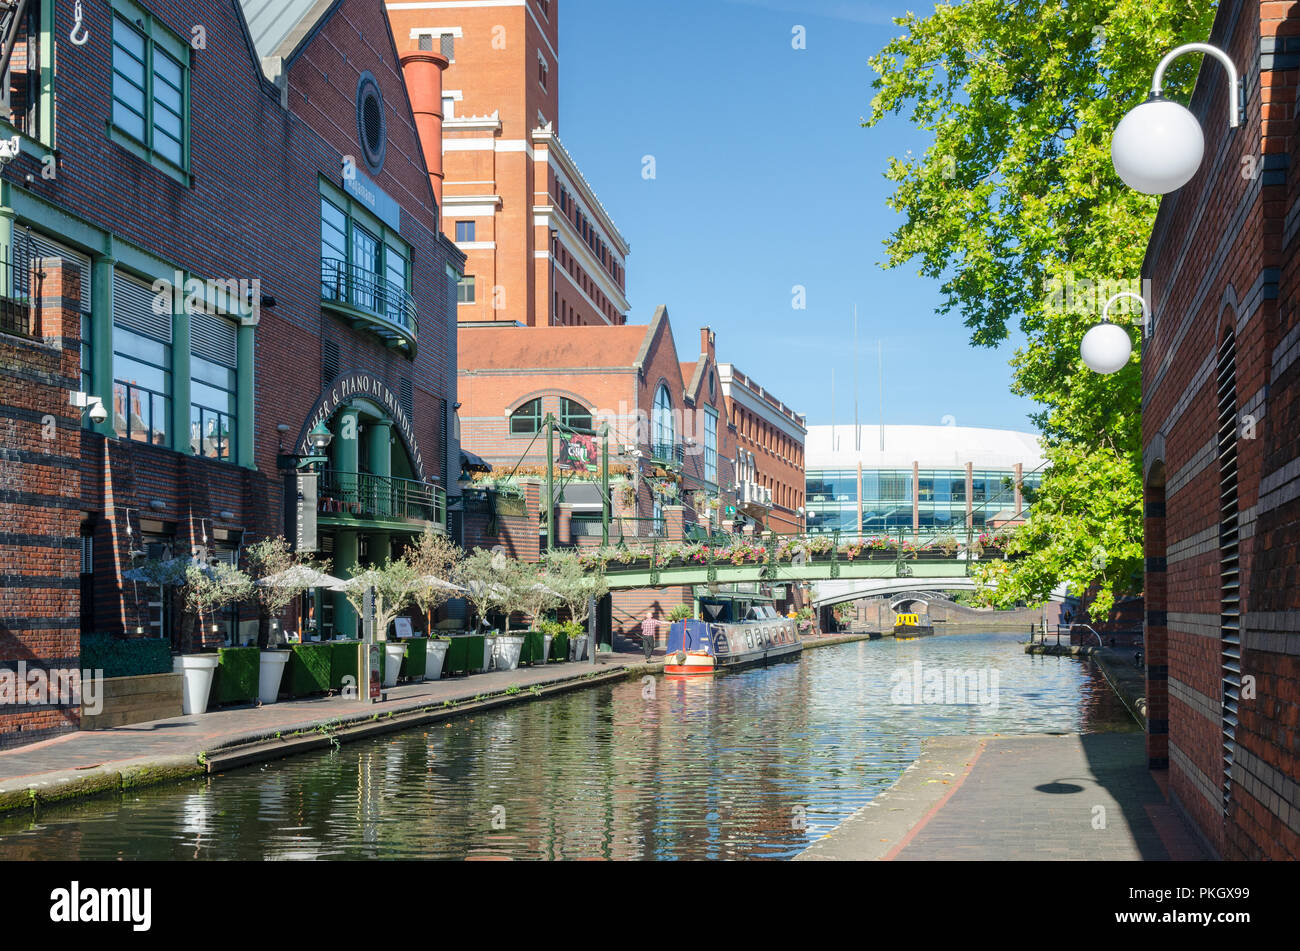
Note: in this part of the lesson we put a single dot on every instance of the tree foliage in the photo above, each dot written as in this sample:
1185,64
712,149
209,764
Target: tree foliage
1016,210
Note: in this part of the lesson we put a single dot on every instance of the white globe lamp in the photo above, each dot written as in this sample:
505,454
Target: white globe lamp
1158,146
1106,348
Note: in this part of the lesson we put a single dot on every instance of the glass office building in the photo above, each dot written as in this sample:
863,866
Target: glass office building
927,480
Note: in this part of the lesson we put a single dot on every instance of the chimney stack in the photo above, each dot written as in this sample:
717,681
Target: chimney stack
423,73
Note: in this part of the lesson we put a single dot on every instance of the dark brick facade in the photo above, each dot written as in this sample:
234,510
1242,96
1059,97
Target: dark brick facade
1222,261
250,210
40,500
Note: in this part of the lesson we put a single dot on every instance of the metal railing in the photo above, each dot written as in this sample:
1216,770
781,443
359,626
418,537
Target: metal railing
363,496
672,454
367,291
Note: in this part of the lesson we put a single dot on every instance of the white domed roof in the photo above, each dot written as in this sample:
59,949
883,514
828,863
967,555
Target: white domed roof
932,447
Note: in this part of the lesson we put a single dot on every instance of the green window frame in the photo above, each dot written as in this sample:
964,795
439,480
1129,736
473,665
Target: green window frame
574,415
31,103
527,419
348,234
710,445
150,97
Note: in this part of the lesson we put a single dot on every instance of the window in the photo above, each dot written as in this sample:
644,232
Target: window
26,97
151,92
448,107
361,268
664,434
214,386
527,419
465,290
465,231
142,385
574,415
542,71
710,445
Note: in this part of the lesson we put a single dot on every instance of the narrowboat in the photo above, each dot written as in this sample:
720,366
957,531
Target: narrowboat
912,625
735,632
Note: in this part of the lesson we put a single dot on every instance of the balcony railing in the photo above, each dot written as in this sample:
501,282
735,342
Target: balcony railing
667,454
754,495
389,310
380,498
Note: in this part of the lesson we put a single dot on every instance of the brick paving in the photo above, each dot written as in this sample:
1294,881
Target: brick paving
1019,798
189,735
1042,797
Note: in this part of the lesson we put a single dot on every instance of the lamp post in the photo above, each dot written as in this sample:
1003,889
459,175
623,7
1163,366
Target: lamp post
1106,347
1158,146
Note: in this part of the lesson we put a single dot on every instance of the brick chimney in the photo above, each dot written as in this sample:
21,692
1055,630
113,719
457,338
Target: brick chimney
423,73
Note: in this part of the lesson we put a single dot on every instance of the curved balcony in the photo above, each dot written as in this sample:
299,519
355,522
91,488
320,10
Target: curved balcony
367,300
355,496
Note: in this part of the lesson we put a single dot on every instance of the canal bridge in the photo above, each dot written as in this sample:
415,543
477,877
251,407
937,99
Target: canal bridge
844,567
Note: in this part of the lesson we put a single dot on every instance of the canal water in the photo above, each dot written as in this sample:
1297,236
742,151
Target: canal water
754,764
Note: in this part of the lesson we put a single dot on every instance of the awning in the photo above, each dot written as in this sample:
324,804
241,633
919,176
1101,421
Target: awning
583,496
472,463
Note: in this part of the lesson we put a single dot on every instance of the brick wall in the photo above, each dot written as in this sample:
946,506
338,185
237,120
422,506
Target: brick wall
40,501
1221,257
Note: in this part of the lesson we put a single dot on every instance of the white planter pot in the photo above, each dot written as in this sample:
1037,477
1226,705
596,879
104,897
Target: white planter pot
393,663
487,653
198,670
578,648
272,670
506,651
434,659
546,649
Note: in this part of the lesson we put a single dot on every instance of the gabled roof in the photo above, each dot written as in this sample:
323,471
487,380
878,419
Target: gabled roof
279,27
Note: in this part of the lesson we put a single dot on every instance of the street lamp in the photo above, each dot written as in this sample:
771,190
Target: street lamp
1158,146
1107,347
319,439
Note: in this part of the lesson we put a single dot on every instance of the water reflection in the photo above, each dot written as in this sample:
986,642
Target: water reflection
754,764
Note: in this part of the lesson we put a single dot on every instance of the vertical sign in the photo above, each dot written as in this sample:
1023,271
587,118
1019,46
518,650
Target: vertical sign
300,501
373,669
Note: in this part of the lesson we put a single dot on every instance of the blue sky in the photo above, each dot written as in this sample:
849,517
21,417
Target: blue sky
766,180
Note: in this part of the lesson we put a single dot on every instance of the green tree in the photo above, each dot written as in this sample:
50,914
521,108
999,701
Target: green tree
1016,210
395,584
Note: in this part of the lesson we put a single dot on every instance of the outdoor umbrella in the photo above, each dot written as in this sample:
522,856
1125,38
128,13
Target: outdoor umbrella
301,576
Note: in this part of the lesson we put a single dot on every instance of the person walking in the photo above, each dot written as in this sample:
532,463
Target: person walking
649,633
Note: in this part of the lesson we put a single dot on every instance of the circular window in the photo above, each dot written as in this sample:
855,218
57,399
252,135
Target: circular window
371,129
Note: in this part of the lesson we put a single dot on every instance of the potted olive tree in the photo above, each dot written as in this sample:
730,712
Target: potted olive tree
282,575
434,559
516,582
481,575
394,583
208,589
576,587
536,599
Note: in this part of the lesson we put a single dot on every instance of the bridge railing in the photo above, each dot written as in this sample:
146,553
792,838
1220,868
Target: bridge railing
780,554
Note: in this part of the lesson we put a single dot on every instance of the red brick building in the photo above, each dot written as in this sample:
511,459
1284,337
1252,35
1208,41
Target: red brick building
770,440
672,444
247,212
541,250
1221,395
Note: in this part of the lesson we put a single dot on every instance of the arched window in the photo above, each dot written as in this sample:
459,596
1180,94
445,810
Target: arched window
527,419
664,435
574,415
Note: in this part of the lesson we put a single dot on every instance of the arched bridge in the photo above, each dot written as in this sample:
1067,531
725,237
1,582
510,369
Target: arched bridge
840,590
